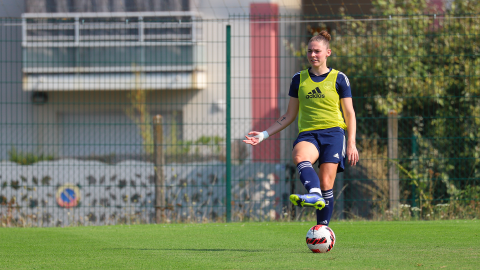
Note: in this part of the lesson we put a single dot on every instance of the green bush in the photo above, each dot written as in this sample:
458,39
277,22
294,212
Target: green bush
27,158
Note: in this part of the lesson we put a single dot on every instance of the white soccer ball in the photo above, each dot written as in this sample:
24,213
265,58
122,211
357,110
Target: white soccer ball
320,239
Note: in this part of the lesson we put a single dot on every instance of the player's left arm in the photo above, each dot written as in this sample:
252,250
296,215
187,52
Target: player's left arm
345,93
351,121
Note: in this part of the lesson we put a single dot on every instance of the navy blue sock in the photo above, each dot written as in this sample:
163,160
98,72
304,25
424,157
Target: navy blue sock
324,215
308,176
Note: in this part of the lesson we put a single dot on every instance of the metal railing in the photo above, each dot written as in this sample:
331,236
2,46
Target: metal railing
132,31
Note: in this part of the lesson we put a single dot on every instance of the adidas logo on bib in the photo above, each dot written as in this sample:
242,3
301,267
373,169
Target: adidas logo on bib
315,93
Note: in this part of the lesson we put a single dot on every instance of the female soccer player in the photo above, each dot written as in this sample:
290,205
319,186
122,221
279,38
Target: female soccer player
316,95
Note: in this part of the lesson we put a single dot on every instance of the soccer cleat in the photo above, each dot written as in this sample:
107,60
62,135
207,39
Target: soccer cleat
312,200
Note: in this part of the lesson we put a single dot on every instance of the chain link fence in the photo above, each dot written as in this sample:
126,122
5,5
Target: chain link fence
139,117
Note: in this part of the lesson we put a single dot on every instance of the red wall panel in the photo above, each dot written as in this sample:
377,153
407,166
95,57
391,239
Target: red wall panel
265,76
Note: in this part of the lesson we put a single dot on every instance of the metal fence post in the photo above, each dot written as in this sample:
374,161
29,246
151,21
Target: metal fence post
393,176
159,171
415,163
228,160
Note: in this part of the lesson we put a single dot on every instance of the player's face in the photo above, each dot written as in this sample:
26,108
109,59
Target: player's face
317,53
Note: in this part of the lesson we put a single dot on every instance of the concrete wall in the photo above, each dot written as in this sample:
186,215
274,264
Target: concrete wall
92,193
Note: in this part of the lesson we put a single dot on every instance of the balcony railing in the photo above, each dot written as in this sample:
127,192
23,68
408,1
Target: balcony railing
156,43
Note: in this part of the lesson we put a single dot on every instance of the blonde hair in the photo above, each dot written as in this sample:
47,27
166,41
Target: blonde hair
323,36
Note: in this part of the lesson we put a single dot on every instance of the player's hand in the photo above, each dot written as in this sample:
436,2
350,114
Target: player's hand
254,138
352,154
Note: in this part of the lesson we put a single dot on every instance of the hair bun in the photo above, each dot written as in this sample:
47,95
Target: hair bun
325,34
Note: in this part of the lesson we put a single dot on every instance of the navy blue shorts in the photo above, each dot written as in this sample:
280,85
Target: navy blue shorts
330,144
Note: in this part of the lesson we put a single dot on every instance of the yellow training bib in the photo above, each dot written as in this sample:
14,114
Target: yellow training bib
319,103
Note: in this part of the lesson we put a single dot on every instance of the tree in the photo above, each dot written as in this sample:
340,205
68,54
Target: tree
426,67
138,112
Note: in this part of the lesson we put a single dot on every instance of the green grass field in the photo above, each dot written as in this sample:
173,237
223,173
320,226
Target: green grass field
360,245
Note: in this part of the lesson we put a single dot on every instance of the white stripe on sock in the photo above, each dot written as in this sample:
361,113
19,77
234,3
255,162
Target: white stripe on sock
328,194
304,165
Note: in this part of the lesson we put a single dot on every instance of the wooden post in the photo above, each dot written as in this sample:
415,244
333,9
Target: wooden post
291,176
339,205
393,175
159,171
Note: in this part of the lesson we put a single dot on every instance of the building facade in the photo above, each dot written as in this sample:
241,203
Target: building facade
75,65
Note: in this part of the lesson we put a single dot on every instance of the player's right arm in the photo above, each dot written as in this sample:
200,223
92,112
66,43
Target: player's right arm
281,123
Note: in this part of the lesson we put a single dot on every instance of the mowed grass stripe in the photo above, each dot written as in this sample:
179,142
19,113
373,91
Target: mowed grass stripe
360,245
